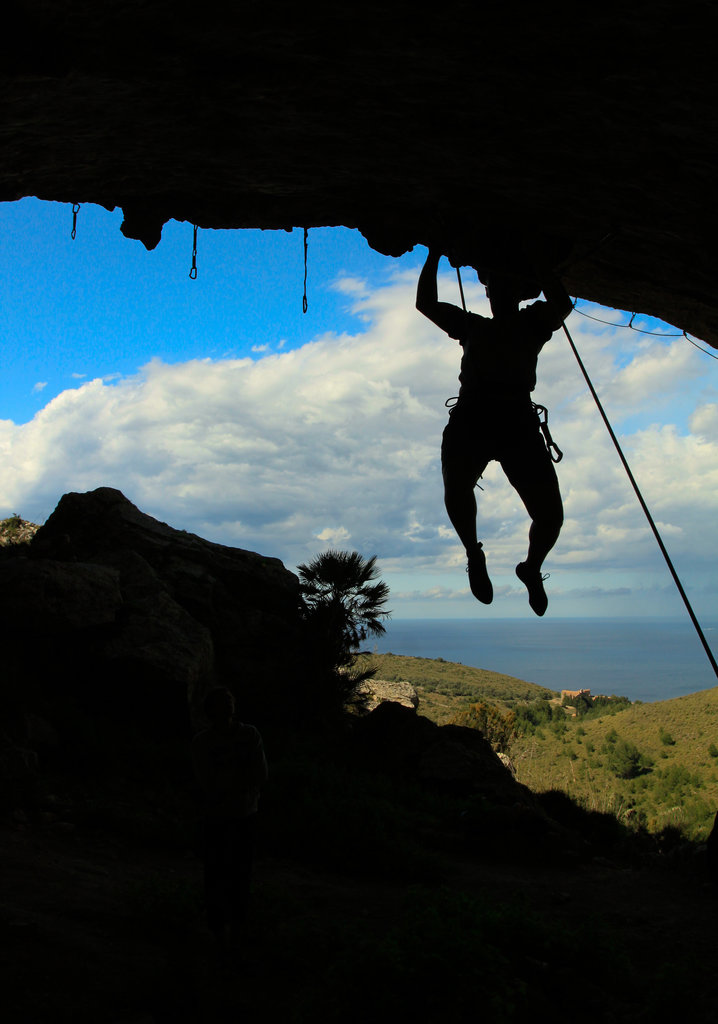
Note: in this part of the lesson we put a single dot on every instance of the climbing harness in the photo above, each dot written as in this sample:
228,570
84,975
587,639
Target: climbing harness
552,448
193,271
75,211
643,504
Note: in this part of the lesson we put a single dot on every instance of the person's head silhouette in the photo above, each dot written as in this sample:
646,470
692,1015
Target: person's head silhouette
505,290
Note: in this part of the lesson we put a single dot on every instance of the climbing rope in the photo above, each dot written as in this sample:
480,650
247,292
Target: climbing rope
622,457
640,330
644,506
305,304
461,288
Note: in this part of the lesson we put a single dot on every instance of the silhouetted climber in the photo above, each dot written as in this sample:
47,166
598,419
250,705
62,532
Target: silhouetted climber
494,417
230,768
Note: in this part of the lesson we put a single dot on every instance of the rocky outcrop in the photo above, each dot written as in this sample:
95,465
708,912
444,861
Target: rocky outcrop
110,612
374,692
583,134
15,530
449,758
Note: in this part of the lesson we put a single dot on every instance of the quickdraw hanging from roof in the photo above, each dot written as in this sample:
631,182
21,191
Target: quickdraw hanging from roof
193,270
75,211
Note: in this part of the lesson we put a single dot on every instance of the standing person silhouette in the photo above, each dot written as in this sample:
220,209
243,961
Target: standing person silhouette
230,769
494,417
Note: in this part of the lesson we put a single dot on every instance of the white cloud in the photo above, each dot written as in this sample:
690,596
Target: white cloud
40,386
704,421
334,536
338,441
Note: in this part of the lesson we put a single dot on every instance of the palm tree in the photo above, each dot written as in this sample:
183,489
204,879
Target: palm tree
344,601
342,584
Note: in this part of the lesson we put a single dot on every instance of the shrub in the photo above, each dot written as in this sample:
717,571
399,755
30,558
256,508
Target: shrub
530,716
497,728
626,761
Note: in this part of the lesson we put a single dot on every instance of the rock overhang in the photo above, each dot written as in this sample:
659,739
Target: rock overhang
585,140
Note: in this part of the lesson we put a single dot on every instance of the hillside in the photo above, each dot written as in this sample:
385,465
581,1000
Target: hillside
652,765
375,893
445,688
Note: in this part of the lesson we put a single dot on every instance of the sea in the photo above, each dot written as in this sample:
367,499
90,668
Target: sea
642,659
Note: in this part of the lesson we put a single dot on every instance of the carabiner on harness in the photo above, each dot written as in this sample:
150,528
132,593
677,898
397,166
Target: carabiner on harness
552,448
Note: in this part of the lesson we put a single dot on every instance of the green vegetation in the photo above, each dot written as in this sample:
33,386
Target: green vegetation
586,706
446,689
653,766
344,601
498,728
376,893
346,587
15,530
648,763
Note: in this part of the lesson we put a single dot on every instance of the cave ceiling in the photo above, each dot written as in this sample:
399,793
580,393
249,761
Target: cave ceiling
587,141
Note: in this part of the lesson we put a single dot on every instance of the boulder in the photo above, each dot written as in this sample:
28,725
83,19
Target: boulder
376,691
461,760
132,619
55,597
507,762
449,758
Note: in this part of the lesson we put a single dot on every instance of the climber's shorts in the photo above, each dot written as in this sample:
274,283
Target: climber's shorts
506,431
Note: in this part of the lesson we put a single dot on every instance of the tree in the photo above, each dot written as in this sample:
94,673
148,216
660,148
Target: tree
344,601
343,583
626,760
497,728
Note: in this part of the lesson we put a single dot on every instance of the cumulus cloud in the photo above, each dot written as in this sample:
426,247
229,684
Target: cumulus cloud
40,386
337,443
334,536
704,421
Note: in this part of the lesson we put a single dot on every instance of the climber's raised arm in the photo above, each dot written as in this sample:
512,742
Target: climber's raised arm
445,315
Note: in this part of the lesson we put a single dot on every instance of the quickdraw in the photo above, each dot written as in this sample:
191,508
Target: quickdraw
551,446
193,271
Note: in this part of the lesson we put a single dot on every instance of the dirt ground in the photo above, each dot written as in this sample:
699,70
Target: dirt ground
106,930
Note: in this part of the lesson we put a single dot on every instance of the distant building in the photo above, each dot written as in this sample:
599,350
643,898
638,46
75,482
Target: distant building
575,693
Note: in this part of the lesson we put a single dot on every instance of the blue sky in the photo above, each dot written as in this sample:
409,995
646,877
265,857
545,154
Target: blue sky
217,406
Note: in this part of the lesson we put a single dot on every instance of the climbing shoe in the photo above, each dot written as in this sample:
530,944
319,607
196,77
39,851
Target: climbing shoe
478,576
533,581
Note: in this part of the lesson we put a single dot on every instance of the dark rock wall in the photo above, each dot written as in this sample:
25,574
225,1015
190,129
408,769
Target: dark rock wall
583,134
109,612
